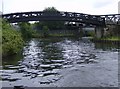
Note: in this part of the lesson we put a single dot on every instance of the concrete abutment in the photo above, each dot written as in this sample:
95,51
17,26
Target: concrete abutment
99,32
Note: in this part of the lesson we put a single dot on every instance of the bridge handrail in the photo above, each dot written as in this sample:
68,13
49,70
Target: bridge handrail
69,16
108,15
61,13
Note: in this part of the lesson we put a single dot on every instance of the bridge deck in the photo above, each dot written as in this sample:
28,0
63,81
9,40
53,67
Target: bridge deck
99,20
57,16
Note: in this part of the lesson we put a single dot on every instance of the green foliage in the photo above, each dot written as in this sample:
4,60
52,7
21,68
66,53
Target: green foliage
0,23
50,9
45,31
90,33
26,30
38,25
113,31
11,40
0,30
113,38
0,36
116,31
0,42
52,25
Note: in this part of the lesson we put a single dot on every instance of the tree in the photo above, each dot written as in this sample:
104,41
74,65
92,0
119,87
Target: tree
25,29
12,41
51,10
52,25
45,31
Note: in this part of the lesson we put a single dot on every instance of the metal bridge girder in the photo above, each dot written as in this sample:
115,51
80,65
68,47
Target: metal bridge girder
57,16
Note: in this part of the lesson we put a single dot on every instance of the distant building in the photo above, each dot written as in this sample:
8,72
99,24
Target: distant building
119,7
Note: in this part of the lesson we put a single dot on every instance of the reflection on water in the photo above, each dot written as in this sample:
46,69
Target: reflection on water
107,46
50,51
11,61
42,59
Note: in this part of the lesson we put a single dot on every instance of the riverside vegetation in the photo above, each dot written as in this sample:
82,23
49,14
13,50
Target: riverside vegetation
13,40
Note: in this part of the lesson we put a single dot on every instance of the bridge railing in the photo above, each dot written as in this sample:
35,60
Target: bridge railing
66,16
112,19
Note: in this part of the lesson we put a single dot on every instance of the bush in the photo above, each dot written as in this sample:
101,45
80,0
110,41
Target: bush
52,25
11,40
45,31
26,30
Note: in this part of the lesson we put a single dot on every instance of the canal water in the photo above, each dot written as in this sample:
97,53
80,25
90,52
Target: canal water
62,62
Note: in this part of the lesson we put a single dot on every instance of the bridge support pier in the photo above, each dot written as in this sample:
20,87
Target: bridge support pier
99,32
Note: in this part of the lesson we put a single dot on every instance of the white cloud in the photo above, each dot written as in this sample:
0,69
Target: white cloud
102,3
81,6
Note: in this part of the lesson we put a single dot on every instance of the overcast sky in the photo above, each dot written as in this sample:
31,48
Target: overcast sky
97,7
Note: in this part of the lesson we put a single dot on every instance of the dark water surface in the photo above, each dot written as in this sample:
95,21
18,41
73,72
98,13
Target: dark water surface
49,62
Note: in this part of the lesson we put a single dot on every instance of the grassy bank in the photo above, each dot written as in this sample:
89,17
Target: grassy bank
109,40
112,38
